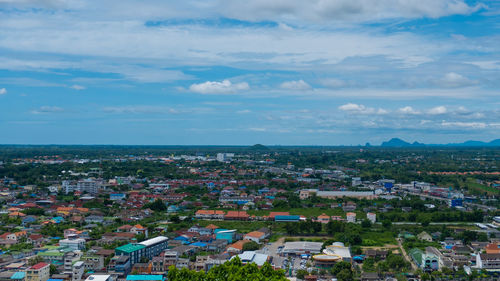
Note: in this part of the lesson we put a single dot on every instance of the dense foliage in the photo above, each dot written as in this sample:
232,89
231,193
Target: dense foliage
232,270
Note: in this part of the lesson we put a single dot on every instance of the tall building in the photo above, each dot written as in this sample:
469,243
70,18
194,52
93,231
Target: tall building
77,271
223,157
147,249
88,186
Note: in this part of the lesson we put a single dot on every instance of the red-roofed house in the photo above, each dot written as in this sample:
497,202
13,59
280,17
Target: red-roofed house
323,218
38,272
255,236
139,229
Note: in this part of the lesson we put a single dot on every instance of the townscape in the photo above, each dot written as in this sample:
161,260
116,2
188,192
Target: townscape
299,213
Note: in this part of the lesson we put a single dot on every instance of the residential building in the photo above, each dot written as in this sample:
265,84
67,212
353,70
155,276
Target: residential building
351,217
424,236
372,217
426,261
489,262
139,229
73,243
38,272
77,271
154,246
255,236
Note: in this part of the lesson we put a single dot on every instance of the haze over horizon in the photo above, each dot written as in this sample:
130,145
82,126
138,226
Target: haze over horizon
222,72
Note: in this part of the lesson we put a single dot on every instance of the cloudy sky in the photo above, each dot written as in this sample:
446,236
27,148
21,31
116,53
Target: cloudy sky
289,72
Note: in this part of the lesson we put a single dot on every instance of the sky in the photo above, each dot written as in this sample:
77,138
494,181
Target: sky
241,72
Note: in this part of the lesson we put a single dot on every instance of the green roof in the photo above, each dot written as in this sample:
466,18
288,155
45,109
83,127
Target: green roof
416,254
129,248
51,253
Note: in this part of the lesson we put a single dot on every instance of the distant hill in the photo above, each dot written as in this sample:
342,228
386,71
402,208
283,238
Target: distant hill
396,142
258,147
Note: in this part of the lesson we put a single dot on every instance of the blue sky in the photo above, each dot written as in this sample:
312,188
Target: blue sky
287,72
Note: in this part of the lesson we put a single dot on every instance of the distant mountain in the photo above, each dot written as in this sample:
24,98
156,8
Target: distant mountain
396,142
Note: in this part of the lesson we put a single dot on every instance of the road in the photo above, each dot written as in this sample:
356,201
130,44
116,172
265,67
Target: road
407,258
484,207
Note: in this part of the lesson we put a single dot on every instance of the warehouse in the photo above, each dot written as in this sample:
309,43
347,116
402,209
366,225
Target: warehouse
302,247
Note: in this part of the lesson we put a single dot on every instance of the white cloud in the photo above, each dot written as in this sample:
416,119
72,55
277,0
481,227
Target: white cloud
215,87
297,85
408,110
3,91
139,109
78,87
245,111
361,109
47,109
471,125
437,110
455,80
344,10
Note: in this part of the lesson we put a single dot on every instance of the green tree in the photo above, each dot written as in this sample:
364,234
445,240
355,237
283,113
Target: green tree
232,270
251,246
53,269
366,223
386,224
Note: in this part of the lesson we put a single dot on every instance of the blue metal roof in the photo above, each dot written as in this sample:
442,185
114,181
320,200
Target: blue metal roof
18,275
145,277
199,244
287,218
181,238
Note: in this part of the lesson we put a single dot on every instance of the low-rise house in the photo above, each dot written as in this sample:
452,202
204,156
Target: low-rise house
323,218
349,207
139,229
424,236
237,215
209,214
351,217
236,247
217,245
255,236
426,261
376,254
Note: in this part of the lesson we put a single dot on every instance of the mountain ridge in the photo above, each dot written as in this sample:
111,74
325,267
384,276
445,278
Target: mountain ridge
397,142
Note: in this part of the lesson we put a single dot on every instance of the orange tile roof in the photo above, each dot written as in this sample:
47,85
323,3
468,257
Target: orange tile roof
256,234
17,214
273,214
492,248
238,244
323,216
237,214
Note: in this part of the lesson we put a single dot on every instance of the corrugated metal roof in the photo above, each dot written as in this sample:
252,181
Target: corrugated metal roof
144,277
130,248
